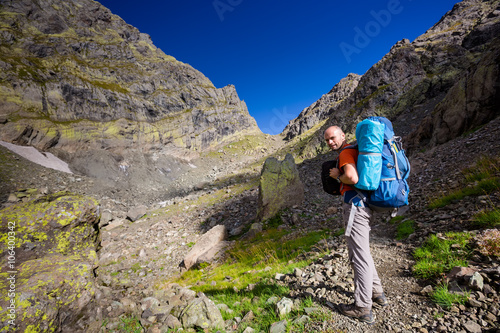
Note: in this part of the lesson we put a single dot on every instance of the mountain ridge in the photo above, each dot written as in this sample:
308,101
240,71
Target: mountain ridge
73,61
413,78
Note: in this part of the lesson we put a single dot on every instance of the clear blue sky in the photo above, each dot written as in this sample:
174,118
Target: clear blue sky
282,56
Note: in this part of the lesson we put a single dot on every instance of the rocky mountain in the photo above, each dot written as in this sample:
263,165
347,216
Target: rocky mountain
80,81
435,88
320,110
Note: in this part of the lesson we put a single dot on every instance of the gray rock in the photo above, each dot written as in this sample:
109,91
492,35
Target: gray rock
474,303
279,276
280,187
427,290
297,272
472,327
136,213
279,327
476,281
284,307
201,313
302,320
149,303
172,322
310,311
106,217
249,330
249,317
207,246
255,229
272,300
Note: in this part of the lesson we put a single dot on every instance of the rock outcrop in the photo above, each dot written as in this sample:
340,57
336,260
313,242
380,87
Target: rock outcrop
79,81
280,187
74,75
433,89
52,243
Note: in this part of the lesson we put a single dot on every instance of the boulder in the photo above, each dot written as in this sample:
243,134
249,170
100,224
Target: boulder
284,307
476,281
55,254
136,213
279,327
206,247
201,313
255,229
460,273
280,187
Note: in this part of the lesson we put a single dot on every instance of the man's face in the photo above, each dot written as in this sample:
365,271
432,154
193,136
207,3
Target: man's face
334,138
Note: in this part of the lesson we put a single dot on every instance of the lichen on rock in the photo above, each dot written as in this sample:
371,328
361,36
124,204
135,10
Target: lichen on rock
280,186
56,239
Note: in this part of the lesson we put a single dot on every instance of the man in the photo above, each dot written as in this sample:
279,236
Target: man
356,216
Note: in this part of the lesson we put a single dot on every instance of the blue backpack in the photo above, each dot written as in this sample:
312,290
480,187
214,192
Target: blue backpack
383,167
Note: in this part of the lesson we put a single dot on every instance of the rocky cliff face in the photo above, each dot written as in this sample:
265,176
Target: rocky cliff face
435,88
319,111
74,76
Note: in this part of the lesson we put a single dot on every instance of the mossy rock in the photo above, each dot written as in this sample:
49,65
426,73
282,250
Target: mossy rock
50,293
50,245
61,223
280,187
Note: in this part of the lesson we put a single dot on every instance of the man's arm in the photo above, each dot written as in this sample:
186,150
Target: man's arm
350,176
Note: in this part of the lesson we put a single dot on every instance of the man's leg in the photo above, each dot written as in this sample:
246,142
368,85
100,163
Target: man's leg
366,280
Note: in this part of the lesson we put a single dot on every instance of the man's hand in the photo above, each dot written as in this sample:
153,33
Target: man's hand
334,173
350,175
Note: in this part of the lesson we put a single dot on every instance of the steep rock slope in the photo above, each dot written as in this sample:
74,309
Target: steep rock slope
74,76
434,88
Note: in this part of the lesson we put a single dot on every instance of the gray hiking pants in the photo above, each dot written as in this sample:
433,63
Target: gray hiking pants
366,280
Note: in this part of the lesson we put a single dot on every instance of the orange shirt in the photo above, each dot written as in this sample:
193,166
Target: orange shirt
347,156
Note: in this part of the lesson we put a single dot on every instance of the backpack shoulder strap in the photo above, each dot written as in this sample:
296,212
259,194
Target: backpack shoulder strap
351,146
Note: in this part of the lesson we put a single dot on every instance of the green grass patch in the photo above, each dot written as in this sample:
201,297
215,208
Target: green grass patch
440,254
405,229
135,267
274,221
486,167
487,219
485,186
246,281
130,325
396,219
446,299
273,251
261,301
480,179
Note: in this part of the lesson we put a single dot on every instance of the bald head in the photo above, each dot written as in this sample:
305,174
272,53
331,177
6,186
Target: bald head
334,137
